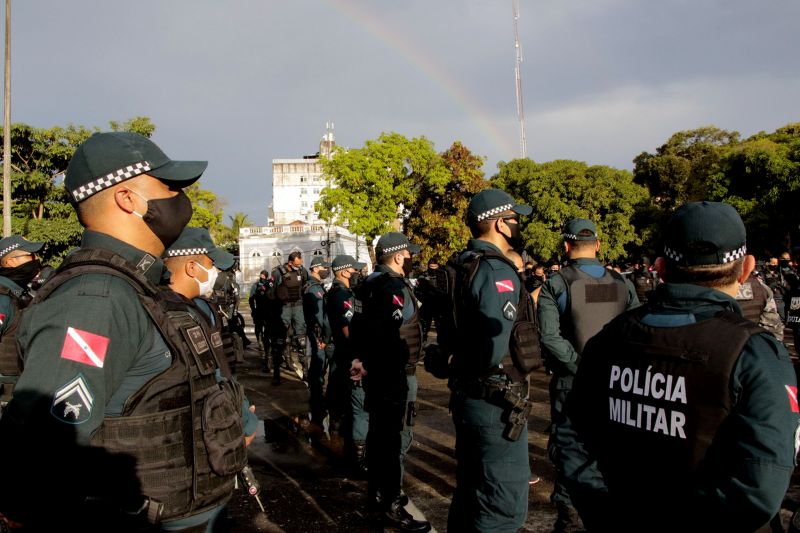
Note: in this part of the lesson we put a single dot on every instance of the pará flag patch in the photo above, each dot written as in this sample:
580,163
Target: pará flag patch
347,304
398,300
504,286
792,392
84,347
2,319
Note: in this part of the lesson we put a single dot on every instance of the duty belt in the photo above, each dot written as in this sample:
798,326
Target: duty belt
488,390
411,370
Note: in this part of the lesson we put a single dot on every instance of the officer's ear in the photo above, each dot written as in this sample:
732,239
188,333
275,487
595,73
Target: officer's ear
124,199
661,267
190,268
747,267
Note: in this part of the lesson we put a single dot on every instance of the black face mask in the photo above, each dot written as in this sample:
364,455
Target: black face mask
166,217
783,263
355,280
515,241
324,273
408,265
23,274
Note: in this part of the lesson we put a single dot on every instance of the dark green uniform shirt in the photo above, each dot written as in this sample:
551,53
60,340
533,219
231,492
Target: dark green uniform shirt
339,312
6,304
314,309
91,344
490,312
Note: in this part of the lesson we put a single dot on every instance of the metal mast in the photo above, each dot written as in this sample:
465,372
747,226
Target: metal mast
518,75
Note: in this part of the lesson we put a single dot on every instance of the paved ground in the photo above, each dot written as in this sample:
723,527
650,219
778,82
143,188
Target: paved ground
305,485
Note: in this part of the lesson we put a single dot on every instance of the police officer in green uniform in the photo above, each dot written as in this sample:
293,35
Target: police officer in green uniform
318,330
18,268
194,263
573,305
387,334
118,406
758,305
289,280
346,396
493,470
258,307
688,410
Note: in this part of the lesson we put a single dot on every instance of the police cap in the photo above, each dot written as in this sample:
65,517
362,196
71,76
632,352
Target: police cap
105,159
394,241
197,241
317,260
491,202
341,262
15,242
704,233
573,229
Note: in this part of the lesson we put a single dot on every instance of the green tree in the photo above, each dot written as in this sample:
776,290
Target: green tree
377,185
207,210
562,190
436,219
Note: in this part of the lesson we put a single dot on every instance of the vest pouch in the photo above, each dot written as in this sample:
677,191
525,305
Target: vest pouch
524,347
201,350
223,433
411,335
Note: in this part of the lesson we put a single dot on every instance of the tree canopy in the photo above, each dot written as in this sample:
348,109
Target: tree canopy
562,190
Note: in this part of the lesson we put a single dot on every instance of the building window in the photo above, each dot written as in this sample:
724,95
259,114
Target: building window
303,204
303,191
316,190
303,179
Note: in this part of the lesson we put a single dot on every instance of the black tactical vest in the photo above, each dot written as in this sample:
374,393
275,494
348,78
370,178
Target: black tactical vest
183,427
592,303
223,339
791,300
752,298
655,398
290,289
10,362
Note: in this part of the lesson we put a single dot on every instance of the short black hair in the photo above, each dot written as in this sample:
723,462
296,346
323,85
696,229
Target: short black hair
294,255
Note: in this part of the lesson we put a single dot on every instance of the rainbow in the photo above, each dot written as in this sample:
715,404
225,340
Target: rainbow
420,60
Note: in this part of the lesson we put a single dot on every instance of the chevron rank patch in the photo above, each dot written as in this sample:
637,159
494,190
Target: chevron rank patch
73,402
85,347
509,311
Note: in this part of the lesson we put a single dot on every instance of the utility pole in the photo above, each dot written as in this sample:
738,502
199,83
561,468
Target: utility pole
518,75
7,129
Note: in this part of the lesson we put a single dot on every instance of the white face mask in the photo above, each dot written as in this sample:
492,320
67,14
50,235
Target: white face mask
207,286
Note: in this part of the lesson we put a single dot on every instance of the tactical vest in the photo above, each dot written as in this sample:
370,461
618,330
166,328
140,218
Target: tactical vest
10,362
657,397
223,339
524,352
752,299
592,303
410,332
643,282
791,300
290,289
183,427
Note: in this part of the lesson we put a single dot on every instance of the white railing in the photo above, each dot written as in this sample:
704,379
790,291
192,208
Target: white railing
284,228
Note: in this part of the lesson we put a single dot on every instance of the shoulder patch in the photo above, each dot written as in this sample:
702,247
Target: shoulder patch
85,347
505,285
73,402
509,311
792,392
398,300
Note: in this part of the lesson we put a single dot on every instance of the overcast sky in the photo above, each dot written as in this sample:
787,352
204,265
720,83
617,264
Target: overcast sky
242,82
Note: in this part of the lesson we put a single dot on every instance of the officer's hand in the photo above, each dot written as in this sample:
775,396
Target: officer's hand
357,370
249,438
321,345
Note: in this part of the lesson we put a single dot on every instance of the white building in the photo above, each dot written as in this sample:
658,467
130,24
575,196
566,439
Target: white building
294,224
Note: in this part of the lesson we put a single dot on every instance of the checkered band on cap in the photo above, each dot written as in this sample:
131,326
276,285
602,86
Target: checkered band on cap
673,254
391,249
7,249
342,267
494,211
570,237
733,255
93,187
186,251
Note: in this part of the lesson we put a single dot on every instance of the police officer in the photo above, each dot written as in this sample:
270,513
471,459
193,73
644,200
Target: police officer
758,305
573,305
190,259
388,338
114,403
689,411
319,336
493,470
345,396
258,301
289,280
19,266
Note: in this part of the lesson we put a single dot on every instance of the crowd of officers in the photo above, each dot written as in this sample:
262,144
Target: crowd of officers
673,401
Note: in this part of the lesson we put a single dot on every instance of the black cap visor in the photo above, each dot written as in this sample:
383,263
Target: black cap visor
180,173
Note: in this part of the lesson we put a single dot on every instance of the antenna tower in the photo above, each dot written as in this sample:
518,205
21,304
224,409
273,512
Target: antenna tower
518,75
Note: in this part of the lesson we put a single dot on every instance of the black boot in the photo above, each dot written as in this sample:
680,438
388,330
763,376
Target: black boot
397,517
360,456
568,519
